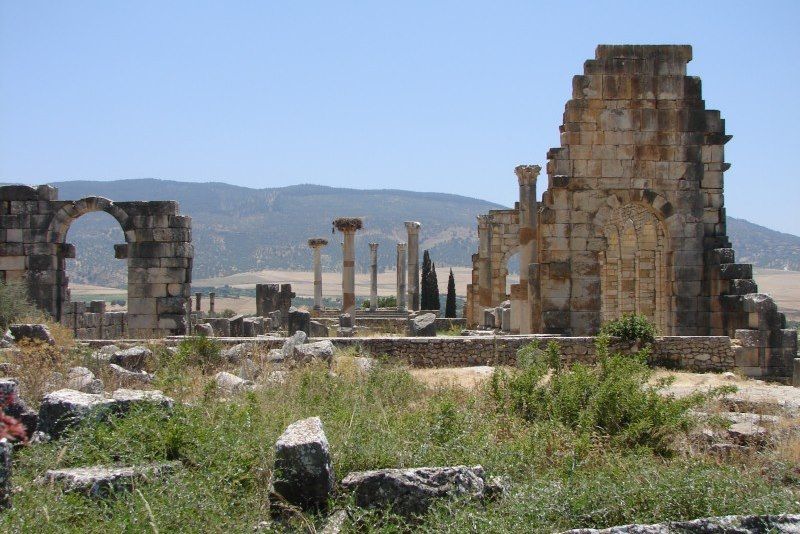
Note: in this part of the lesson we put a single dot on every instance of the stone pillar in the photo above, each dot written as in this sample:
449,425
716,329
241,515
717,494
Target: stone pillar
211,302
373,277
528,250
316,245
348,226
401,277
413,264
197,298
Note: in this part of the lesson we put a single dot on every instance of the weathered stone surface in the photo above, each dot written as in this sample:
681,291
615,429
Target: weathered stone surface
364,364
321,350
317,329
204,329
412,491
237,353
66,408
298,338
34,332
133,377
6,449
299,321
83,379
230,383
98,481
303,472
125,399
7,340
133,358
738,524
248,370
423,325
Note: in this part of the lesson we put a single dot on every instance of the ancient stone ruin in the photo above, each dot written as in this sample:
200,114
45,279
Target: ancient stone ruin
633,218
158,248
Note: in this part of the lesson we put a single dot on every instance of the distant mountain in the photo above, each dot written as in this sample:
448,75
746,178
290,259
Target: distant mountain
764,247
239,229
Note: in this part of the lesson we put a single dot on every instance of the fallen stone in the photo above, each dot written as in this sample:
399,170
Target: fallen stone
274,356
410,492
288,346
334,524
204,329
104,354
133,377
83,379
230,383
6,489
132,359
66,408
298,321
34,332
738,524
303,469
276,378
317,329
7,341
101,481
320,350
125,399
364,364
237,353
423,325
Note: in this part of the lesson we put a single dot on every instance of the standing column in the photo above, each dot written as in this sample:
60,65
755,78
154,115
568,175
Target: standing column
348,226
401,277
197,297
373,280
413,264
528,253
211,302
316,245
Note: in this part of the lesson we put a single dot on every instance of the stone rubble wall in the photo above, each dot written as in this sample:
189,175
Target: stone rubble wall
691,353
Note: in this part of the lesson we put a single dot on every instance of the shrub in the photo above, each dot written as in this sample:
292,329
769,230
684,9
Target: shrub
15,304
631,327
200,351
609,400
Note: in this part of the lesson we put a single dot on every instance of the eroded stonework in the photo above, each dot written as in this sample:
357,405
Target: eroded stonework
633,218
158,248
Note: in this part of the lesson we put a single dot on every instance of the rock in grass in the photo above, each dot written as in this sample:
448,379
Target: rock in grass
230,383
66,408
288,346
204,330
738,524
98,481
410,492
321,350
133,358
125,399
83,379
303,468
132,377
237,353
35,332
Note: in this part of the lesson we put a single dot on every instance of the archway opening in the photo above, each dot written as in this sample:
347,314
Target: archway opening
634,267
94,273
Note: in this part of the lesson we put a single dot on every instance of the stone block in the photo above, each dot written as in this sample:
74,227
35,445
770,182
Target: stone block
303,472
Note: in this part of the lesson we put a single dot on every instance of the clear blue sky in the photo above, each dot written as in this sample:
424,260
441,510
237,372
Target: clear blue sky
429,96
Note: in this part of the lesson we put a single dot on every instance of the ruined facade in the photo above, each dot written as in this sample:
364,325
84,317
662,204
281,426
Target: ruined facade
633,218
158,249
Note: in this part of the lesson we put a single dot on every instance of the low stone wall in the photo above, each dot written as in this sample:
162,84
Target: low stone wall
103,325
697,353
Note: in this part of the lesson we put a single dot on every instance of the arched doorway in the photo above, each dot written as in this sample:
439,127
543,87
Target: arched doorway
635,266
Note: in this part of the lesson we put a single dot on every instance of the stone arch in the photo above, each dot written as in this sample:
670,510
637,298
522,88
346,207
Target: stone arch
635,265
71,211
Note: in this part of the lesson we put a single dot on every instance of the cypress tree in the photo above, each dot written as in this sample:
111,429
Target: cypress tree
450,305
425,290
435,300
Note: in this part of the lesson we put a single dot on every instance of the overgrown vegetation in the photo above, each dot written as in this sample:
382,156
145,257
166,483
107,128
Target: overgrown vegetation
631,327
383,302
565,441
15,304
202,352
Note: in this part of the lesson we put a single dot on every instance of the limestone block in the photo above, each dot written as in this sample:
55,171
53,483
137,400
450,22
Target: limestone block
303,467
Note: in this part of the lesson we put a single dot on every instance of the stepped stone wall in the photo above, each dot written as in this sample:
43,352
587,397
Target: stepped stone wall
158,247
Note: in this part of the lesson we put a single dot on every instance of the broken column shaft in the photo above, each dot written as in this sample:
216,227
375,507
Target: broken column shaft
316,245
401,277
373,280
413,264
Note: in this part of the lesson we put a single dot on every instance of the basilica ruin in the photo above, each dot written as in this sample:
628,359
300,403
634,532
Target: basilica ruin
632,220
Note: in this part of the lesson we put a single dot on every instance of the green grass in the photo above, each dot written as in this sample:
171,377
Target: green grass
384,419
